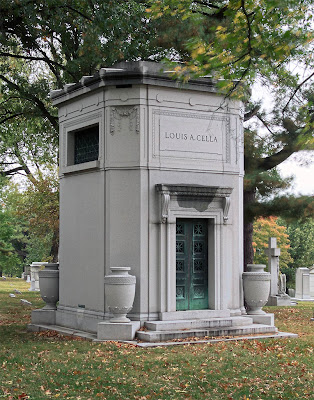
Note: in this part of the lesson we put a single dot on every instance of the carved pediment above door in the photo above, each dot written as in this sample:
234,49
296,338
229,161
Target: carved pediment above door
193,196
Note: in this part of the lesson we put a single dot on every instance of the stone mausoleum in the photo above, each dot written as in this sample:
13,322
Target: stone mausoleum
151,174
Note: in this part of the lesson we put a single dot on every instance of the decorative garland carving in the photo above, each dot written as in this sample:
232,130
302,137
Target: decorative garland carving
254,276
120,280
118,113
165,201
227,202
118,310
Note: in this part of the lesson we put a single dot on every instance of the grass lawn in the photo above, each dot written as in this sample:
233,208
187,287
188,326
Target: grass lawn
43,365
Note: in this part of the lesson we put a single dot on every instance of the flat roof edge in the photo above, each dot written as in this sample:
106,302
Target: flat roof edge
124,74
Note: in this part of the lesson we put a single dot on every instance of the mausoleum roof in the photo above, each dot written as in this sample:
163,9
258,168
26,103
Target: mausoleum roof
127,73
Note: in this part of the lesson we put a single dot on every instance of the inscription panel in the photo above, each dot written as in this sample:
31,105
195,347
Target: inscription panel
182,134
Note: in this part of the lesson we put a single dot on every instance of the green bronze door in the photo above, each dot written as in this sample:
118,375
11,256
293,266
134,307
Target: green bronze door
191,264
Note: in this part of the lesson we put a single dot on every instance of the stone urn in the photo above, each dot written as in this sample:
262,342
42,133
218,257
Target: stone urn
119,293
49,285
256,286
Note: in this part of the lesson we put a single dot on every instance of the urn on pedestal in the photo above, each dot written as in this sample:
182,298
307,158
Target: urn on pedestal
49,285
119,293
256,286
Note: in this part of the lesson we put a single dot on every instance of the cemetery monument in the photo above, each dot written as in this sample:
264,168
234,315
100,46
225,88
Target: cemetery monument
151,186
277,295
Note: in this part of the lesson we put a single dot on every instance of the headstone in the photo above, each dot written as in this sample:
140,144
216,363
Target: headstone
278,295
282,284
273,253
34,277
12,295
291,292
302,284
312,281
17,291
27,272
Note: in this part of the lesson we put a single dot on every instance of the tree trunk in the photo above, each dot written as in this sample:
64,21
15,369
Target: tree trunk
248,198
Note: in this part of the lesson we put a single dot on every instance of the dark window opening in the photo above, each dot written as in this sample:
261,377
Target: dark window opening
86,145
123,86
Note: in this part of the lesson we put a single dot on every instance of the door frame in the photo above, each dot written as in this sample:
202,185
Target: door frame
213,229
196,202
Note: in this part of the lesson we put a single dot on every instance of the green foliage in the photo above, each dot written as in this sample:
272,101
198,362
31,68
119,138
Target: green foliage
301,235
242,40
39,203
29,223
11,264
289,207
11,239
38,248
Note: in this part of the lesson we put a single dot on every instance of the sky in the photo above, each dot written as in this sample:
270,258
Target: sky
303,170
301,165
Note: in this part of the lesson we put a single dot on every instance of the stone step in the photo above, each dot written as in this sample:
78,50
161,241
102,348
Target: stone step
193,314
197,323
159,336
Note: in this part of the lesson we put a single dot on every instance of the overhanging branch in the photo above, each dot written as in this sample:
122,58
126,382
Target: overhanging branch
53,120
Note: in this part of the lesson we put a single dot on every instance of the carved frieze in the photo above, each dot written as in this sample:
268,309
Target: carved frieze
122,117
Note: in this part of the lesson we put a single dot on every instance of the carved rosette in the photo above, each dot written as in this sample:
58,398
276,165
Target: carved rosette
120,293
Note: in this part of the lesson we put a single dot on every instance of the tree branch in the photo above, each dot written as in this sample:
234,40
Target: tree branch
32,58
264,123
34,99
248,25
78,12
290,207
274,160
11,171
218,15
206,4
237,83
10,117
296,90
251,114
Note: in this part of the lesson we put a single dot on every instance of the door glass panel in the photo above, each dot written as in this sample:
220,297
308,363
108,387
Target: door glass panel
191,264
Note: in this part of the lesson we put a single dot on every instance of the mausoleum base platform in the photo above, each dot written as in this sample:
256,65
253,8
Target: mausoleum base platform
167,330
195,340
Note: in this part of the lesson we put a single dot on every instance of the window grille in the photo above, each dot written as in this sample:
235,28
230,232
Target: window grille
86,145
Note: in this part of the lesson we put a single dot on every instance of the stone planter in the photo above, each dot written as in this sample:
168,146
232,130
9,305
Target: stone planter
256,286
49,285
119,293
